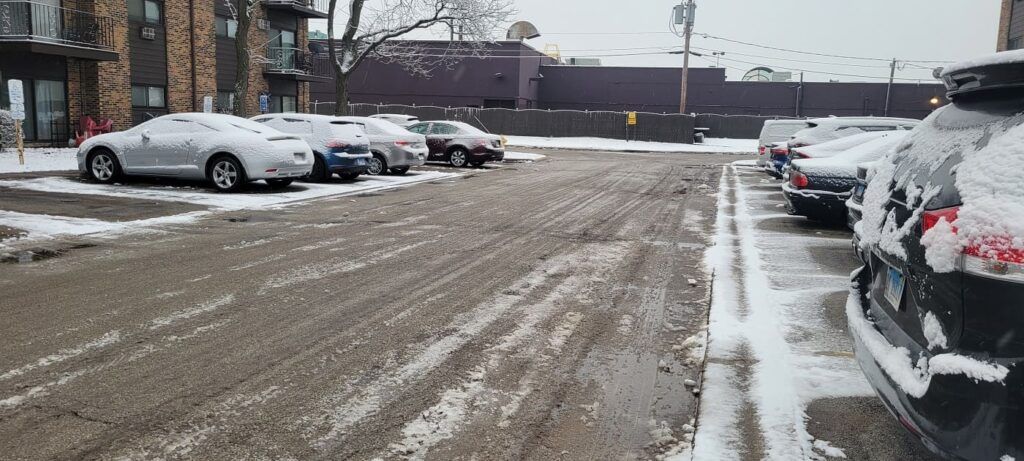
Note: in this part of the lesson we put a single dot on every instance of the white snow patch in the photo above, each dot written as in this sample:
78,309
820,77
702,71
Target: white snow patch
186,314
828,450
49,159
941,247
933,332
65,354
523,157
41,226
711,145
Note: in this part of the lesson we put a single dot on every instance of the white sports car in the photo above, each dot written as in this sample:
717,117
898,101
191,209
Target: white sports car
229,151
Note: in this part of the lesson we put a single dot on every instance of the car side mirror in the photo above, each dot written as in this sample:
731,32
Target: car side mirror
145,135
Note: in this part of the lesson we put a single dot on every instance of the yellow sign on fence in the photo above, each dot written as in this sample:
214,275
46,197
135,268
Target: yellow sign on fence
630,118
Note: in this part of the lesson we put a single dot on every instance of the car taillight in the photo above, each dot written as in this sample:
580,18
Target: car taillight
760,150
337,144
780,151
992,257
798,179
403,143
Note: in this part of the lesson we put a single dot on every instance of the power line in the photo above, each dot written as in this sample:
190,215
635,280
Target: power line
860,58
818,72
867,66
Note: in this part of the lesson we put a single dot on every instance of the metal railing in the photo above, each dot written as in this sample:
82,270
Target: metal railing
297,62
25,20
315,5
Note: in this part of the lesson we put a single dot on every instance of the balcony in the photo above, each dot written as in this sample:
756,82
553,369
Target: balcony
303,8
296,64
38,28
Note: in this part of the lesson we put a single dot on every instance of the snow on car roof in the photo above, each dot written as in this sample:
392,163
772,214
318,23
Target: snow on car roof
826,149
862,120
845,162
383,125
995,59
225,122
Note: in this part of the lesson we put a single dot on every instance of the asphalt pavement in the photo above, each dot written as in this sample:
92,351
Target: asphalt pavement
522,312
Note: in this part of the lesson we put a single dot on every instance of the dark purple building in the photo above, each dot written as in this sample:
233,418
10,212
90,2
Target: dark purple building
514,75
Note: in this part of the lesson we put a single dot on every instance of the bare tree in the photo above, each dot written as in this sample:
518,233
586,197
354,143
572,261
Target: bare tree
372,28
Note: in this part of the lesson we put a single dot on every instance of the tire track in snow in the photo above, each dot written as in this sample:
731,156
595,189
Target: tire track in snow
358,401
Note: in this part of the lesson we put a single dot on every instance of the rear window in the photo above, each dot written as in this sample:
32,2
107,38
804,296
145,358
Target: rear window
347,129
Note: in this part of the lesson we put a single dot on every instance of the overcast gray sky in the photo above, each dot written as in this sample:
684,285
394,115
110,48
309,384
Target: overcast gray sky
913,30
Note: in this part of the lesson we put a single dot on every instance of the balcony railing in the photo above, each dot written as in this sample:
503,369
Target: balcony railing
301,64
25,21
307,8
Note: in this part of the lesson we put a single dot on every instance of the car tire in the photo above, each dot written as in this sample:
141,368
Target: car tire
226,174
319,173
377,165
279,183
103,166
400,171
348,176
458,157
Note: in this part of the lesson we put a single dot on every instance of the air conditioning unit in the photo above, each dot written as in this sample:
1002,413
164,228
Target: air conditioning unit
263,24
148,33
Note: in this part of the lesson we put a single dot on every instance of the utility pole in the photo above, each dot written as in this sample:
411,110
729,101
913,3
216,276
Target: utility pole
800,95
686,9
888,90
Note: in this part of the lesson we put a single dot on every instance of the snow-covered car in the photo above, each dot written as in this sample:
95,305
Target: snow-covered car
339,147
229,151
819,187
404,121
775,131
460,144
822,130
394,148
937,313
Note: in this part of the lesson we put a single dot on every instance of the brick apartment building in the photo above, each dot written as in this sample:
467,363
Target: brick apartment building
131,60
1011,26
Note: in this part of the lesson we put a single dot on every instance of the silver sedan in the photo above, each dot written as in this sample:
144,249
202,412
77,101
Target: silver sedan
226,150
394,148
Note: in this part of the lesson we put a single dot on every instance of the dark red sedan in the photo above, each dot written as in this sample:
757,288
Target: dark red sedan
459,144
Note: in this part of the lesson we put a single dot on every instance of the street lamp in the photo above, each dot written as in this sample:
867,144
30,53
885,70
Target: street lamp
718,57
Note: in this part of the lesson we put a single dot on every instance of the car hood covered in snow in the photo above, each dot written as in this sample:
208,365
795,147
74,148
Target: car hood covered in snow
844,164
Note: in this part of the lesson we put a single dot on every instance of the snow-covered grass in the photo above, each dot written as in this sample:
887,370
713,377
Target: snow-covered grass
38,159
711,145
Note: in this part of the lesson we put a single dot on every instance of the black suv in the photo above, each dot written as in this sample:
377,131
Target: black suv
937,313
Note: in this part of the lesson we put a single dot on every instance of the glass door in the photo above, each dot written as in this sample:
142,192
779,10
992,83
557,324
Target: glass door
283,48
50,102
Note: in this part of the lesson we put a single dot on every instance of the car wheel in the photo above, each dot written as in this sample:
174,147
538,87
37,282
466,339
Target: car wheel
400,170
458,158
477,164
227,174
279,183
319,173
103,166
348,176
376,165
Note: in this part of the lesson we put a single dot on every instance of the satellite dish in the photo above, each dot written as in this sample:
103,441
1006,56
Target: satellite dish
522,30
758,74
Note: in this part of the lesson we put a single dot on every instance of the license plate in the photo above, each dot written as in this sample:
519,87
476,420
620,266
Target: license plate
859,190
894,282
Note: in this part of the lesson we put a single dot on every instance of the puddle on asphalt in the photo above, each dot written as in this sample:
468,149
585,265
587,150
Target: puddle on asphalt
40,254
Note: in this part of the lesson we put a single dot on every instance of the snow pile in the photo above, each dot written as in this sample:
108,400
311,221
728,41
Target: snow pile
941,248
39,160
523,157
711,145
932,330
914,378
828,450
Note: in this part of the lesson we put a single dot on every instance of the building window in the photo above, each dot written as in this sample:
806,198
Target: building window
145,10
45,109
280,104
226,27
1015,43
148,96
226,102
